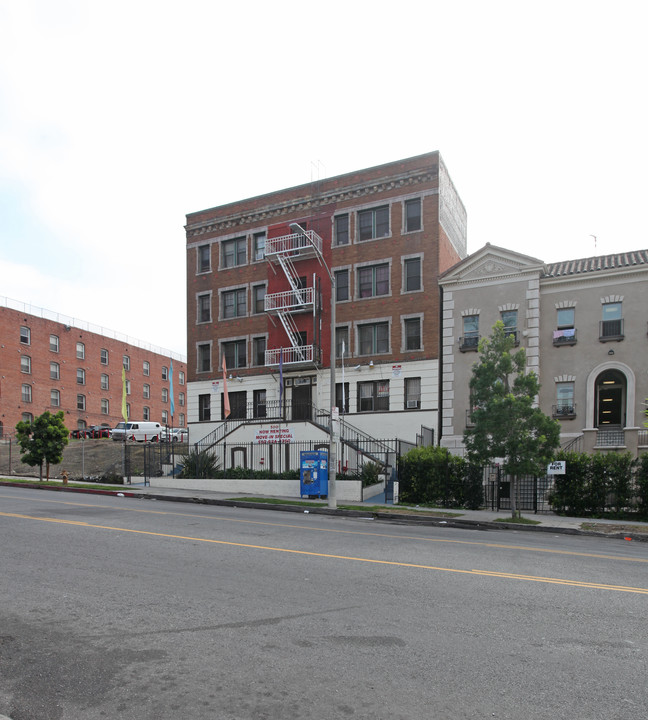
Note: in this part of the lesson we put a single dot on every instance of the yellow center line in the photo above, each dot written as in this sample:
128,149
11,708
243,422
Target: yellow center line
309,553
498,546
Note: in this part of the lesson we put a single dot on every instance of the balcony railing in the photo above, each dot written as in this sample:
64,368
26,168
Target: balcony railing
610,437
469,342
292,355
611,330
564,412
564,337
290,301
295,244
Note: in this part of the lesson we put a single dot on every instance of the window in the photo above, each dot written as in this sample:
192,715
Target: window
165,395
341,285
412,393
81,405
373,396
258,349
104,381
26,393
165,372
80,376
55,371
373,338
412,272
204,308
259,404
235,354
128,387
238,407
181,399
181,377
373,223
146,413
25,364
233,252
233,303
104,356
341,336
204,407
204,258
165,417
204,357
612,322
412,327
25,335
55,398
105,406
27,417
182,419
54,343
565,332
342,397
470,339
564,400
126,362
128,410
412,215
258,294
373,280
146,391
341,230
80,351
259,245
509,318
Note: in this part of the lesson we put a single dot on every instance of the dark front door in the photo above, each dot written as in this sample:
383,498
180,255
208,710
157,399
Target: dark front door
610,406
301,402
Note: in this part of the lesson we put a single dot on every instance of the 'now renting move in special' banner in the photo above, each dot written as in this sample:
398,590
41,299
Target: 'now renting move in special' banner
274,434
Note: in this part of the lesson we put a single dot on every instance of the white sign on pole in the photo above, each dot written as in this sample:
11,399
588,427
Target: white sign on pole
557,467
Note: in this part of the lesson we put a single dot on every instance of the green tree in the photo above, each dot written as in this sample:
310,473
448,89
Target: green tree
42,440
507,424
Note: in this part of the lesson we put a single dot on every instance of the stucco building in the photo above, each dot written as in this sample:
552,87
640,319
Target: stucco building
583,326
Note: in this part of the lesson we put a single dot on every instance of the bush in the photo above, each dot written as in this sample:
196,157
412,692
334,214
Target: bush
641,485
433,476
199,464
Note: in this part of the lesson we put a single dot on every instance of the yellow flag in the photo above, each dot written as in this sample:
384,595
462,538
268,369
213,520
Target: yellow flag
124,408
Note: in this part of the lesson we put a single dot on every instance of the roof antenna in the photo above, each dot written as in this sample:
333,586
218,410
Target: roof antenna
594,236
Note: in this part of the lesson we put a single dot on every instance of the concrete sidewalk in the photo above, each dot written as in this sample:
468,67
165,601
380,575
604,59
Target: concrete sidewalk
457,517
475,519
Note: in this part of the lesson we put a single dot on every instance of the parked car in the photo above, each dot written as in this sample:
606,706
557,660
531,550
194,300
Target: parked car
174,434
141,431
98,431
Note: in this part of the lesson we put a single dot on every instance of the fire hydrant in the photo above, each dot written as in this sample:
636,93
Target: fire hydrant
64,475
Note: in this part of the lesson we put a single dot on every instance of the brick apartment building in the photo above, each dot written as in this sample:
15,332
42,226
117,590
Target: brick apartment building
259,295
48,362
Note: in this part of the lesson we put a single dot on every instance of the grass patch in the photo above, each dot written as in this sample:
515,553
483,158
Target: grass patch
360,506
518,521
59,483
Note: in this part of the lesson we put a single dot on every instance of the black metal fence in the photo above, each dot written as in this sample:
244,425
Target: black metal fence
532,497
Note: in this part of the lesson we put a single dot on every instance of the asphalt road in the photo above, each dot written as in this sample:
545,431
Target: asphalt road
121,608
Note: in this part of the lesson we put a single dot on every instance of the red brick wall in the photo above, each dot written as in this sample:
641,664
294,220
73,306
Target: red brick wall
11,378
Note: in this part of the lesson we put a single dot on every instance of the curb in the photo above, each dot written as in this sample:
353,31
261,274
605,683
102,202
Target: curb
396,518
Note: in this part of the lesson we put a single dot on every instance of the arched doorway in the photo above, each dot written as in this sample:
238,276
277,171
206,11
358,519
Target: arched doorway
611,394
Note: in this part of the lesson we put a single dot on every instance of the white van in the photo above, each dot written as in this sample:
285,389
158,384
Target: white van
140,431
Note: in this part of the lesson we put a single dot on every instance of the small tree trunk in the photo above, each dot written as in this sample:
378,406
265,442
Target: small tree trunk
47,472
40,472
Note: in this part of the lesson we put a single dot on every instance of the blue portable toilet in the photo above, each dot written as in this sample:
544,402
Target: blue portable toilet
313,473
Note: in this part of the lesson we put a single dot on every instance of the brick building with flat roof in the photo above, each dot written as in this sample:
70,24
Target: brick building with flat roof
259,297
49,362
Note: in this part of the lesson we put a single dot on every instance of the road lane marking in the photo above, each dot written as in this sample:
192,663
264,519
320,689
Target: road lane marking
309,553
497,546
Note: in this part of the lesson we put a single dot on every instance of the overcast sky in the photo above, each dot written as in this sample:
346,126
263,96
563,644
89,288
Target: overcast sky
117,119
